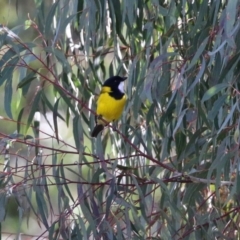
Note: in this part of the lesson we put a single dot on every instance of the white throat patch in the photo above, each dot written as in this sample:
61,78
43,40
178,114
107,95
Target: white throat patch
121,87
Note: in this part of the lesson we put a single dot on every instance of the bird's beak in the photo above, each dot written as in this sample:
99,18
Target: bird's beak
124,78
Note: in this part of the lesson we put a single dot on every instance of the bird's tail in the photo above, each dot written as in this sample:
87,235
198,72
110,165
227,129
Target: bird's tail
97,129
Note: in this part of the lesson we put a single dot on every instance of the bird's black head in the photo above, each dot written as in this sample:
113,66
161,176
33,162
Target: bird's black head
115,83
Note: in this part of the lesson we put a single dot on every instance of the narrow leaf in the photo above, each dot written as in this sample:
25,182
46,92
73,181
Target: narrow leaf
213,91
8,98
198,53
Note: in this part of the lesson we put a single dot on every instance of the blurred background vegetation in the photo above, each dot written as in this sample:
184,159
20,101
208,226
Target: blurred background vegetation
170,170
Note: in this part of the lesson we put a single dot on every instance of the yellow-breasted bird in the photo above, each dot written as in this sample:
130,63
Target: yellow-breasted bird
110,103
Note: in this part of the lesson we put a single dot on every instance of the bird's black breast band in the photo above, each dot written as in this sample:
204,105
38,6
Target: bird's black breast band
116,94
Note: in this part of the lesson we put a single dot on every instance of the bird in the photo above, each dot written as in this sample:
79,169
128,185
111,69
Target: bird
110,103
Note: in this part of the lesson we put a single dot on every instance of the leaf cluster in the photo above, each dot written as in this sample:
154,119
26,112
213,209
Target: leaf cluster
170,168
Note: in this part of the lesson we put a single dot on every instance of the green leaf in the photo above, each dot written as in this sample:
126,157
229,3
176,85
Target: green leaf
218,104
231,10
48,31
66,99
66,185
42,206
34,108
61,58
27,80
77,129
52,231
9,54
198,54
110,197
55,122
83,228
229,116
19,120
199,75
8,98
2,206
7,72
213,91
49,105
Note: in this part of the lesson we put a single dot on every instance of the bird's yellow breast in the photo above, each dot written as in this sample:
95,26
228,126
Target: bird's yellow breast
108,107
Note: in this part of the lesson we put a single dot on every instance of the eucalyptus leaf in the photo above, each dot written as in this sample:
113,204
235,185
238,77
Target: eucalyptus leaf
213,91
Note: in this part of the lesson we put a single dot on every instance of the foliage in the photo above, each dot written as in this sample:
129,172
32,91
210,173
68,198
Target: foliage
170,168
